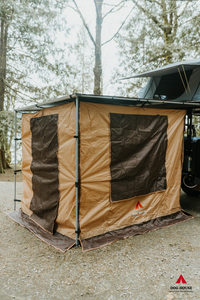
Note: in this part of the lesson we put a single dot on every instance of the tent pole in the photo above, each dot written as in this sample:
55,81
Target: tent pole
15,162
77,174
189,138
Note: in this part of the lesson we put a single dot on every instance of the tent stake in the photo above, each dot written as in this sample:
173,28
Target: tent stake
77,175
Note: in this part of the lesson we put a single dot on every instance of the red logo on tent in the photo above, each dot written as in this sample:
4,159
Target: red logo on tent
138,205
181,279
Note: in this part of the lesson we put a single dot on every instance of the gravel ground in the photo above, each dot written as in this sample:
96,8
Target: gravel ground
9,174
141,267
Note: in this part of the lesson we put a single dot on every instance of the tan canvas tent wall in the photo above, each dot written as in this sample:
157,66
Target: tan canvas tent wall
99,171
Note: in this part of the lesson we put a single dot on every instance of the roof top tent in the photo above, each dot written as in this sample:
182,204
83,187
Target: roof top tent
180,82
97,169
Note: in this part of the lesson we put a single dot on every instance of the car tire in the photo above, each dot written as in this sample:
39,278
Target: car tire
190,189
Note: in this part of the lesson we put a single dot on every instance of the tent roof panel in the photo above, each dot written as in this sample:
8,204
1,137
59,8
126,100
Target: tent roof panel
114,100
52,102
169,69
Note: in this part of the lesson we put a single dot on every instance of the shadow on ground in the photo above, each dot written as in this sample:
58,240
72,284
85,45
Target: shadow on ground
190,204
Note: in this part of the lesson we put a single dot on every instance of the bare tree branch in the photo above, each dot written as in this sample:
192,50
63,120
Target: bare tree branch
154,1
16,91
111,10
164,14
71,7
183,9
84,23
108,4
153,18
195,17
23,75
174,20
171,12
119,28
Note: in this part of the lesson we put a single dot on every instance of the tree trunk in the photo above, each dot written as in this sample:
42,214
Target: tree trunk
98,64
1,163
3,50
168,53
3,158
3,46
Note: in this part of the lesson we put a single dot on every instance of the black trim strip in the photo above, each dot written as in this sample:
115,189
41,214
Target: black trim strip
16,171
77,184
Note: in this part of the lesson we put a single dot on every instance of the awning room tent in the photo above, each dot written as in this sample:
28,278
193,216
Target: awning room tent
97,169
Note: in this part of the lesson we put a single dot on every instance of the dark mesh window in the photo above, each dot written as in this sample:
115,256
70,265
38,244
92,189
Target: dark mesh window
44,167
138,150
171,86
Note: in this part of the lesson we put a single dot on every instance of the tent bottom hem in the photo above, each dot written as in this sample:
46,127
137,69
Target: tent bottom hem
56,240
124,233
64,243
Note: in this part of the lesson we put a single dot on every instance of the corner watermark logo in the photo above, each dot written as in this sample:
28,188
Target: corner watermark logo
140,209
181,288
181,279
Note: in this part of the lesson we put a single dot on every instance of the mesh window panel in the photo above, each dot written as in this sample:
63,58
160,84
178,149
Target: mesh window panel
44,167
138,151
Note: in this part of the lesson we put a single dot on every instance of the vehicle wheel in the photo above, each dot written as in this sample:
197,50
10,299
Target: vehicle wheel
189,187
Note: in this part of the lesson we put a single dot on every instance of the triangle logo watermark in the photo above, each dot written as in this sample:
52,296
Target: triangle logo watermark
181,279
181,288
138,205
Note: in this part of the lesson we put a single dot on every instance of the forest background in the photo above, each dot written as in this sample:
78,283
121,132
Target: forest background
50,48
